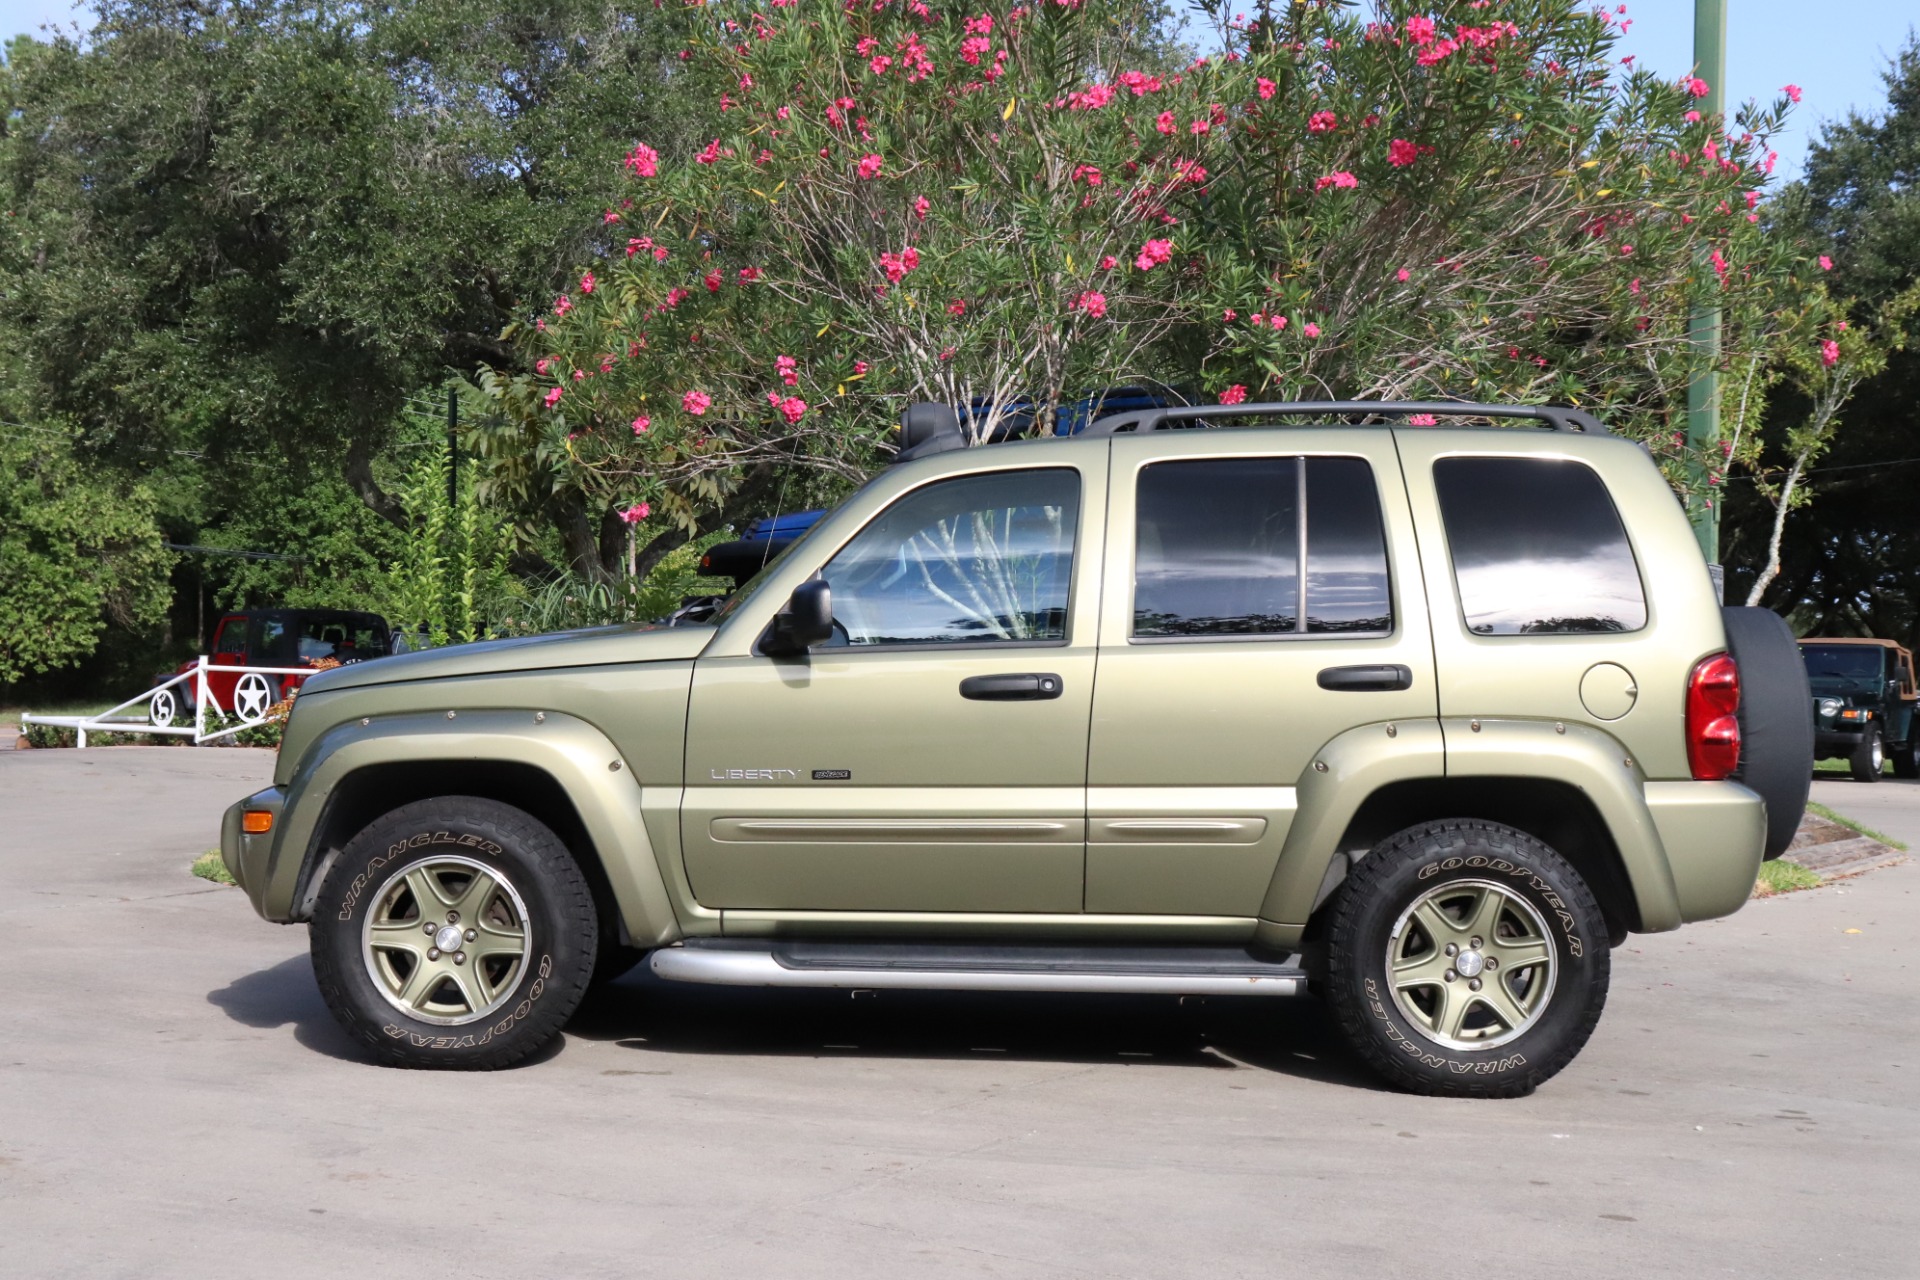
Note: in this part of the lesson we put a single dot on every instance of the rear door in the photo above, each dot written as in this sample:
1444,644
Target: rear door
1215,687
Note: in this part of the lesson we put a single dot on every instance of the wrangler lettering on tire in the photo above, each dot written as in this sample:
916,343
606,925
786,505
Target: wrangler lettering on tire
1458,960
455,932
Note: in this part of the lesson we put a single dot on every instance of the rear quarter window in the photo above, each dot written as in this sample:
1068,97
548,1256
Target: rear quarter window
1537,548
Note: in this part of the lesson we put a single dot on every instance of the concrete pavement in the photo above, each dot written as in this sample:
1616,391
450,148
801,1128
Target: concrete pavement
175,1100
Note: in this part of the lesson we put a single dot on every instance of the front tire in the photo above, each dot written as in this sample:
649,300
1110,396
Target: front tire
1906,757
1868,757
1466,959
454,933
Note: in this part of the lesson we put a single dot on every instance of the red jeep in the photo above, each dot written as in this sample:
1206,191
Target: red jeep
274,638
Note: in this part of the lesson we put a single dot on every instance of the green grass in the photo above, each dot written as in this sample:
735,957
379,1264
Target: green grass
1845,821
209,867
1781,876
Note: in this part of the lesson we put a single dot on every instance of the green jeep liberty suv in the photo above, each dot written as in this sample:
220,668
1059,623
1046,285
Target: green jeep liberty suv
1423,718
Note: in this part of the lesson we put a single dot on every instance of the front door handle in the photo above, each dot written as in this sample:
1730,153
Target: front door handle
1022,687
1384,678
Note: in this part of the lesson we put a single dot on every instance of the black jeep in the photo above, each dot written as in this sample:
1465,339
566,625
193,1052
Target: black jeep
1863,705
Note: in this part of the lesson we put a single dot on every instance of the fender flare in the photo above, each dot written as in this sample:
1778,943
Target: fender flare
1361,761
580,759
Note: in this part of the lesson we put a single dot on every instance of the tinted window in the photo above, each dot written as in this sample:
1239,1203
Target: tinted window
984,558
1217,549
1538,548
1346,550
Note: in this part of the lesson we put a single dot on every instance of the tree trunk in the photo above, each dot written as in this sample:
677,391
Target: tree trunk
1780,509
358,472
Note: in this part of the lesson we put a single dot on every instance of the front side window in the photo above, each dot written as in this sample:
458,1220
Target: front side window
232,640
1538,548
1218,549
978,559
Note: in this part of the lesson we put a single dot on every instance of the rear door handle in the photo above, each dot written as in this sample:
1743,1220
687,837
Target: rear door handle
1023,687
1382,678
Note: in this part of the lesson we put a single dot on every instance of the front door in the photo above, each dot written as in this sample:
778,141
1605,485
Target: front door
932,756
1218,681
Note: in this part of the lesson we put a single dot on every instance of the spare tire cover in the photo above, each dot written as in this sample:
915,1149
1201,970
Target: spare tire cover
1776,718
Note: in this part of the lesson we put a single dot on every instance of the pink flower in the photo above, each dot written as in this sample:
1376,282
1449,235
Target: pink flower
1626,251
921,207
1322,122
896,265
696,402
1235,394
636,513
579,374
1633,287
1265,86
1087,173
1093,303
1829,353
790,408
1229,316
1826,263
958,307
859,367
749,274
1311,329
1403,275
1696,86
1420,30
643,161
782,113
1164,123
660,253
543,364
972,47
641,423
788,369
709,154
712,281
1153,253
1438,52
1109,262
1199,126
870,166
610,216
562,305
1422,420
1793,92
586,283
1278,322
553,396
1401,153
1339,179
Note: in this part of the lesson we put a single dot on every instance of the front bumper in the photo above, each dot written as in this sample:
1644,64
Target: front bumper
247,856
1838,741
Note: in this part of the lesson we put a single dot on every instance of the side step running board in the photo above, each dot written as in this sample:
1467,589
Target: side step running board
1181,971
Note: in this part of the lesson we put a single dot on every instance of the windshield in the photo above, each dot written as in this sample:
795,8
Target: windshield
1844,661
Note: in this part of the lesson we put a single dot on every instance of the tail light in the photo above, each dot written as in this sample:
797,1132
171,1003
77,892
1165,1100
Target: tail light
1713,732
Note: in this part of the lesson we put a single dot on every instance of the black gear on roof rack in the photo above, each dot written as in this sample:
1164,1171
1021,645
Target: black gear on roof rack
1555,417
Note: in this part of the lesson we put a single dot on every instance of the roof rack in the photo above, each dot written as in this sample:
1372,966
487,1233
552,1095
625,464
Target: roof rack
1555,417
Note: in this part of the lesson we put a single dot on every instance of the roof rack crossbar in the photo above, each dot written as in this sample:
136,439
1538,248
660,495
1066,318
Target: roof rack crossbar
1556,417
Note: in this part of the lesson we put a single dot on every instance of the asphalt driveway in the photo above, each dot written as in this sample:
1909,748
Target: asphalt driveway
175,1100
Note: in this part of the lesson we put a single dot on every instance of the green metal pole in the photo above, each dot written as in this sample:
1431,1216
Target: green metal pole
1703,326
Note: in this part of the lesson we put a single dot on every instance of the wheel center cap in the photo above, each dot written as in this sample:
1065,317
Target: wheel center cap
448,938
1469,964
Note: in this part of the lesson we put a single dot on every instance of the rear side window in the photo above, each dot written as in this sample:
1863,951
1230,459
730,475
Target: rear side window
1222,546
1538,548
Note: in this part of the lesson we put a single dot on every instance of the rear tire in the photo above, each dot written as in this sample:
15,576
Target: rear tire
454,933
1867,758
1518,1005
1906,759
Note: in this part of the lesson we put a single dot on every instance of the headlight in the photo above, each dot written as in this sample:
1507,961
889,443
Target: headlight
1829,706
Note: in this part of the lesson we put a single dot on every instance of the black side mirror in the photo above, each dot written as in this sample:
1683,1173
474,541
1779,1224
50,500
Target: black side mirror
806,621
